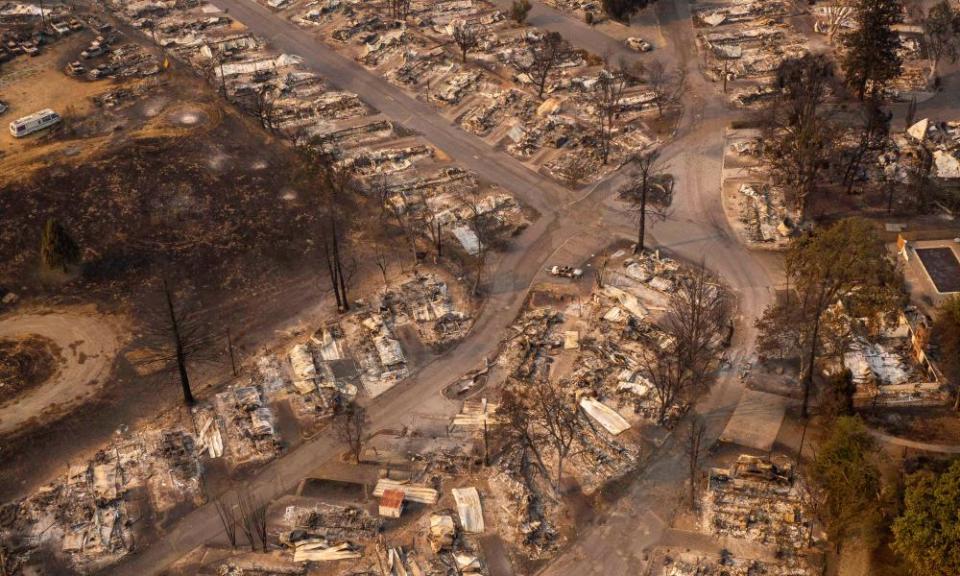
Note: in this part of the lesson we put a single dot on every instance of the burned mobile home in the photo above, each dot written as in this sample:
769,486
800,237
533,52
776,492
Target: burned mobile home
519,89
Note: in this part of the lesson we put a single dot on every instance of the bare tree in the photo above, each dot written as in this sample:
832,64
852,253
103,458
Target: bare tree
380,190
259,518
662,84
941,33
605,99
514,414
350,425
648,194
873,136
228,518
433,224
546,55
245,508
920,182
485,227
467,37
695,436
601,269
334,190
214,72
695,317
253,516
400,9
382,250
577,169
697,314
402,220
266,106
670,382
557,414
179,336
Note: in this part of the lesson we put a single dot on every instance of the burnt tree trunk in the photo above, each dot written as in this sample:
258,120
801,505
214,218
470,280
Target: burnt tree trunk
179,351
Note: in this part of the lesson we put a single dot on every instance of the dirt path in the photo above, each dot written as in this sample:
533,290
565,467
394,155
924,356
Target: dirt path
89,343
907,443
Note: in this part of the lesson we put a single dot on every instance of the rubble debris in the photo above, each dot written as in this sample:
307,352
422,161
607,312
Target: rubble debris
469,509
604,415
248,431
89,514
326,533
759,499
412,492
322,551
443,532
476,414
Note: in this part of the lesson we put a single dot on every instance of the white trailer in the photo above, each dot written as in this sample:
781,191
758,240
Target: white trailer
34,122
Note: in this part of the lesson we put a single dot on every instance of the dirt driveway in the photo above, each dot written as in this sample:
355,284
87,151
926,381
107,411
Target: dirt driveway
89,343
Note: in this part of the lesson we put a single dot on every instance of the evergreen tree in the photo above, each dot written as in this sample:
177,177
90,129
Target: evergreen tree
622,9
928,531
58,250
871,58
519,11
848,493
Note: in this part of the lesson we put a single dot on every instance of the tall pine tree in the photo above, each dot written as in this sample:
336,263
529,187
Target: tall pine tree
871,59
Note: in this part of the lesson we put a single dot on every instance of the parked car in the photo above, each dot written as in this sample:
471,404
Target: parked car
566,272
3,107
101,71
75,68
639,44
95,49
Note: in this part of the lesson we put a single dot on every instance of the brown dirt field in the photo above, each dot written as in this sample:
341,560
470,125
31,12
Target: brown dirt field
25,364
31,84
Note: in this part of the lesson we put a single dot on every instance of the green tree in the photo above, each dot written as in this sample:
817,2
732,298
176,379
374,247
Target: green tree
519,11
798,136
58,250
871,57
847,488
927,533
845,261
946,336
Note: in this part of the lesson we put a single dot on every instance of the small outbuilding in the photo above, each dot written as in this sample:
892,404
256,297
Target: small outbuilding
391,503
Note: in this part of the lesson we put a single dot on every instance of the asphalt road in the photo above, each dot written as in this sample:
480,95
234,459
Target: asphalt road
696,231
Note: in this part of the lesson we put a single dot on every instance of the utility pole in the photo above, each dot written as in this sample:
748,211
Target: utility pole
486,443
803,436
233,358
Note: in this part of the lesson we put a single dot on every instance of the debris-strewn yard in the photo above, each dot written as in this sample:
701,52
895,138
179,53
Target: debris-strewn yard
579,394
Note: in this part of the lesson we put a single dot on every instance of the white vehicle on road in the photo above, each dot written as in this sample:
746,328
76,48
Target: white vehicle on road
566,272
639,44
34,122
